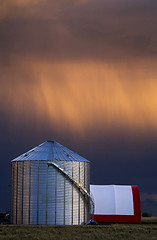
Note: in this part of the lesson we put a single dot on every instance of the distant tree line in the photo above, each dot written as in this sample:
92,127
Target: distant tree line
146,214
5,218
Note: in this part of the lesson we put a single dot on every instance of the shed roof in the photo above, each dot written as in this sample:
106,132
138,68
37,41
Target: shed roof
50,150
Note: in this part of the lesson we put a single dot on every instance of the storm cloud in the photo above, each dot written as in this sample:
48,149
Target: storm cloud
66,30
84,73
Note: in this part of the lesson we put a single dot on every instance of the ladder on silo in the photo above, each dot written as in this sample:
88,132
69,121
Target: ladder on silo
78,185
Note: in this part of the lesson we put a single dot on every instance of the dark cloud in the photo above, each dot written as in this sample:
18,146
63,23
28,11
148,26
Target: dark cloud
108,30
49,88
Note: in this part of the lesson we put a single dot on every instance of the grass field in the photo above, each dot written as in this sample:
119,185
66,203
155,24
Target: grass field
147,230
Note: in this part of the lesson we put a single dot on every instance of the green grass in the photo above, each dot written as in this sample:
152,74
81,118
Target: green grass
145,231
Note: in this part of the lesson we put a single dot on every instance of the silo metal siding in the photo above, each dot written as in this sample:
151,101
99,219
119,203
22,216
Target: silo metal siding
60,196
34,193
51,175
26,188
14,192
82,198
87,177
19,193
76,206
68,194
42,194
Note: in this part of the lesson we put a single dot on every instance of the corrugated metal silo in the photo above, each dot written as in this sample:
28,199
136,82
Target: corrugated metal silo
50,185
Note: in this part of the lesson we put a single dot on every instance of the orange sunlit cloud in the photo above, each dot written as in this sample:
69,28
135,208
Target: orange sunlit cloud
83,95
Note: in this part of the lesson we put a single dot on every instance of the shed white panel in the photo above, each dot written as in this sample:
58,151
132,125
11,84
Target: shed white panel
112,199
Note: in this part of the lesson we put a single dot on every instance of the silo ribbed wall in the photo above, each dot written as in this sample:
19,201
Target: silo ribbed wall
43,195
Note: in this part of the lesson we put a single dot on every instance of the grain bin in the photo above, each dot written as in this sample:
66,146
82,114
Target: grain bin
50,185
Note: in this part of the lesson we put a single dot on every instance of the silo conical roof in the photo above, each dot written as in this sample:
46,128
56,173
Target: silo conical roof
49,151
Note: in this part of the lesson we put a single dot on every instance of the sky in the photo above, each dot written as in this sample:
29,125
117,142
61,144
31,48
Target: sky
85,74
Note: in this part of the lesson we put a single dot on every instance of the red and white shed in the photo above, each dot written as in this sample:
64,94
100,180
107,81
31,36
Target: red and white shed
115,203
